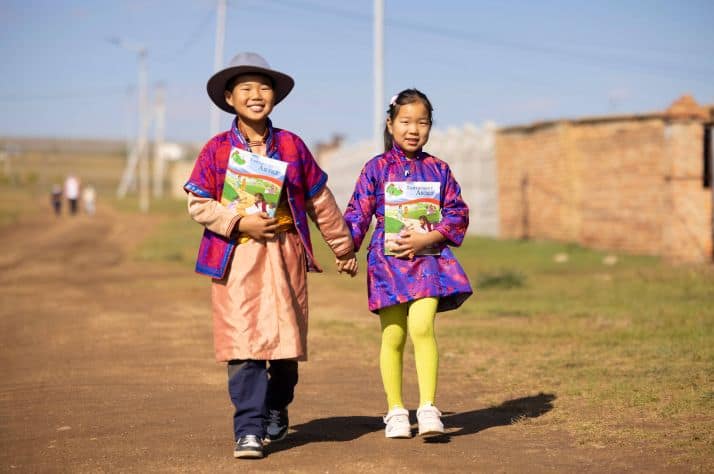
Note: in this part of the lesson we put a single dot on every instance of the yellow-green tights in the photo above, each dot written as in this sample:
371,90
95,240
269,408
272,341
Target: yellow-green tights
418,318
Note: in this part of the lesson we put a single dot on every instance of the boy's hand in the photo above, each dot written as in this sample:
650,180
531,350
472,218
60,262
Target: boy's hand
411,243
347,263
258,226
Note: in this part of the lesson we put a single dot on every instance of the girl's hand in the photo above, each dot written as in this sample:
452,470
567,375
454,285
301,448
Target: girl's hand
410,243
347,263
258,226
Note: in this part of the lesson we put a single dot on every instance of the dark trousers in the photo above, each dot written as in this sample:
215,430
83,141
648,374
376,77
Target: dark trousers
256,386
73,206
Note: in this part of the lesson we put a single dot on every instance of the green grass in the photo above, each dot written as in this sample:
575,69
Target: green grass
633,339
176,237
505,278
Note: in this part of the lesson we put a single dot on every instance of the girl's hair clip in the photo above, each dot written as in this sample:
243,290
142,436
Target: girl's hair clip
393,100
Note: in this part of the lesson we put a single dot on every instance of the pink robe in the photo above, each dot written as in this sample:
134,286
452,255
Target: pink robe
260,308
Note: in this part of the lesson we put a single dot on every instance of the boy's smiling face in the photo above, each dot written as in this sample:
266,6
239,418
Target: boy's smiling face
252,97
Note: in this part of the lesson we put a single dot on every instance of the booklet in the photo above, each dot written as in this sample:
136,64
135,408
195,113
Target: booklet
412,206
253,183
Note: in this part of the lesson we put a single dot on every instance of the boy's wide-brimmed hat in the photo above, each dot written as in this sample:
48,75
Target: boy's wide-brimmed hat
247,63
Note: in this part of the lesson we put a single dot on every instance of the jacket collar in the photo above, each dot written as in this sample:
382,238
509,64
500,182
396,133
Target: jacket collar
396,154
238,140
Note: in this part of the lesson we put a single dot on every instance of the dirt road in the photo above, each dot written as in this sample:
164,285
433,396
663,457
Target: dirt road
107,367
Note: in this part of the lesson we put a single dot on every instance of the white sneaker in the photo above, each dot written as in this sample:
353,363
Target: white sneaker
397,421
429,418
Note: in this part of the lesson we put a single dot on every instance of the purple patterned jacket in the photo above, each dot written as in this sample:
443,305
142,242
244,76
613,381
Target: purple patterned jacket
304,179
391,280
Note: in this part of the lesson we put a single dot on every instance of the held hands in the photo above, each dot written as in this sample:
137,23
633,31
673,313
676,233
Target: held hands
347,263
410,243
258,226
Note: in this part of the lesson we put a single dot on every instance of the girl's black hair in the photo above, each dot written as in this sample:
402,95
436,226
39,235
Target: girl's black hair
407,96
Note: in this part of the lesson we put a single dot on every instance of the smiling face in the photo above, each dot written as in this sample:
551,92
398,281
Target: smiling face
252,97
410,127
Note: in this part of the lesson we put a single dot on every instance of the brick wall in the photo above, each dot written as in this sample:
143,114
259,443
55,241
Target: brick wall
632,184
538,196
624,192
687,235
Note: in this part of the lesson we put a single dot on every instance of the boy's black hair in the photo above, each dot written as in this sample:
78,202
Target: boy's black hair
231,83
407,96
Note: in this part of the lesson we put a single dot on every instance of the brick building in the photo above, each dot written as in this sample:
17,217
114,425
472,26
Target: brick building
639,183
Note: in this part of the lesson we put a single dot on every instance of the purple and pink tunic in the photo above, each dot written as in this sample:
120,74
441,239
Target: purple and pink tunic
391,280
259,288
303,180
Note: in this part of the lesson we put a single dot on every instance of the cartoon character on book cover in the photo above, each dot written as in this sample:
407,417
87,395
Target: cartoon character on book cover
410,206
253,183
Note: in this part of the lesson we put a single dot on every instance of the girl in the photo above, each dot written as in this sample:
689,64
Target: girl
406,290
258,264
260,205
425,225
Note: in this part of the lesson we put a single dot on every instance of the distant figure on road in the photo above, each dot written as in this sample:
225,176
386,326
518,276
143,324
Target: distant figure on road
89,197
71,193
56,198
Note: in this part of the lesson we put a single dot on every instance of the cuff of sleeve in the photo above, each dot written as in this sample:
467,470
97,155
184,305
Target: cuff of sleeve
233,226
342,253
449,240
190,187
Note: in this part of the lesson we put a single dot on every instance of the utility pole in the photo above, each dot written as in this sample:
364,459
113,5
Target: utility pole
129,138
159,126
142,145
139,154
378,73
218,58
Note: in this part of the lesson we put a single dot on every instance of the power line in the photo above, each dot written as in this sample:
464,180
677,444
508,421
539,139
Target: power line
200,30
567,53
83,93
339,12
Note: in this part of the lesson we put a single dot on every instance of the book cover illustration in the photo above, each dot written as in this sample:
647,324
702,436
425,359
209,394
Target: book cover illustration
412,206
253,183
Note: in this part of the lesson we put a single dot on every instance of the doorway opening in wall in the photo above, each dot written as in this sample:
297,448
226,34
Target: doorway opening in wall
708,137
708,174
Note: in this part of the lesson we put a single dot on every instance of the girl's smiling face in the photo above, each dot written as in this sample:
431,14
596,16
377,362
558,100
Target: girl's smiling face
252,97
410,128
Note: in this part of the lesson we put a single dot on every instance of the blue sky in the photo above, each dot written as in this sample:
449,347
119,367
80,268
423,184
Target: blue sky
511,62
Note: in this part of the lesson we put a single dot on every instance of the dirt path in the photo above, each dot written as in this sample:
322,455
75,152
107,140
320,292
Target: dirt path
107,367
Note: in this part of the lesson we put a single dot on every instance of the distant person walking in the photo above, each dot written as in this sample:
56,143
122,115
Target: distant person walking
71,193
56,198
406,290
89,197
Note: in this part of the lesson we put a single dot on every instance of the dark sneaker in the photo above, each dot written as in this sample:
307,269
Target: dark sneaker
248,447
277,425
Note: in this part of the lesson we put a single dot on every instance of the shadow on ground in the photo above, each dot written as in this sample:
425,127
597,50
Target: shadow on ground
347,428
